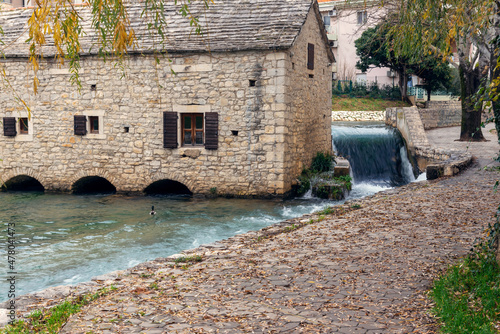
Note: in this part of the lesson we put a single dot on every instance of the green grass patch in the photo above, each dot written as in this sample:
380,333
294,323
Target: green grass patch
291,228
188,259
51,320
364,104
467,297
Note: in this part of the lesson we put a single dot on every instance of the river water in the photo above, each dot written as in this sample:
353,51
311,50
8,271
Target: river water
65,239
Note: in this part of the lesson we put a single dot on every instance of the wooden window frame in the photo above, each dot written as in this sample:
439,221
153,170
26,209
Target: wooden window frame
310,56
23,126
92,128
193,129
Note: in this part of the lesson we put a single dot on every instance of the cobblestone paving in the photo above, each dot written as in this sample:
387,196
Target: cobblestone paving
366,268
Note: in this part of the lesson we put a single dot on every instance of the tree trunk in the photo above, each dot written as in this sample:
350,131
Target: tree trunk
495,105
429,91
403,84
471,116
495,76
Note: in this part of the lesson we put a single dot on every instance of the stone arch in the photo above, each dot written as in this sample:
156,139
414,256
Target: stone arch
93,185
167,187
23,182
26,173
169,184
93,181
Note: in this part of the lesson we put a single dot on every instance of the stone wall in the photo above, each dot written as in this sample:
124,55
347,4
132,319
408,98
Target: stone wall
358,116
440,114
409,123
308,100
436,162
245,88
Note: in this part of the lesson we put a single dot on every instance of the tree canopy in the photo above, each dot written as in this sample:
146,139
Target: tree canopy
469,27
375,48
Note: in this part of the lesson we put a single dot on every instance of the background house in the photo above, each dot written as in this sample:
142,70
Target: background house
345,22
247,108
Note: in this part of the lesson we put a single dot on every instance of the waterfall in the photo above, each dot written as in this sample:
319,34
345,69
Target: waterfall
377,155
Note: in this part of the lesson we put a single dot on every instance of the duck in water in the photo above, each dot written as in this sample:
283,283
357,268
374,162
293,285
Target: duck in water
153,212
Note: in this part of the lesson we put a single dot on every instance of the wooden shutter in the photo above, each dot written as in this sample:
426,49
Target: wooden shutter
310,56
9,126
80,125
170,130
211,130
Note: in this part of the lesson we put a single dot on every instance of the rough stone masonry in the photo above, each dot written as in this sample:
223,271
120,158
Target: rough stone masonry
271,101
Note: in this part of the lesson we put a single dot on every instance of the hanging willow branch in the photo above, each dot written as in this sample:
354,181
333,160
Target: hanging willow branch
57,23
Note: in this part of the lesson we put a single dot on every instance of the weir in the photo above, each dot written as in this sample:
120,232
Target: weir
376,153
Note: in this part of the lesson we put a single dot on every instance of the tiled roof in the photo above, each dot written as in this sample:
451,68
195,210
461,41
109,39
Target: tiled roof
228,25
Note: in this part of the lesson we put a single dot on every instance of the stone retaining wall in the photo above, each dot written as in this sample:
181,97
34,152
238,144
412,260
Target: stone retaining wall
440,114
436,162
357,116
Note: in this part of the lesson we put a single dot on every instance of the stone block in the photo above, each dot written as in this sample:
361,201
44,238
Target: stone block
342,167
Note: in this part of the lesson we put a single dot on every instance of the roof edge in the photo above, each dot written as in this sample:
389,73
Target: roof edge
322,30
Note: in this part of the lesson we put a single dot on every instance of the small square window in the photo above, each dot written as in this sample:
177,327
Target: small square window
326,20
94,124
362,17
23,125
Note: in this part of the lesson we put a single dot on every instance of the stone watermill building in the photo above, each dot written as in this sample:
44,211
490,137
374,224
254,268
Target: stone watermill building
247,108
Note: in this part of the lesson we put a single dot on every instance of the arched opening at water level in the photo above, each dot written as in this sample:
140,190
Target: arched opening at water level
93,185
167,187
23,183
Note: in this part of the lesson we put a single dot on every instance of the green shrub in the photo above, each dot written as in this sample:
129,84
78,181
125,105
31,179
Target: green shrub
345,179
322,192
360,89
322,162
304,184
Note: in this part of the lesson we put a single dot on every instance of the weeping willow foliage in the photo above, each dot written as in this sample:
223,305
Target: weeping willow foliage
59,22
442,27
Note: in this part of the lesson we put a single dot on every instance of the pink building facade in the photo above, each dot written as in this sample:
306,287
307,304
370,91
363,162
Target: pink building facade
345,22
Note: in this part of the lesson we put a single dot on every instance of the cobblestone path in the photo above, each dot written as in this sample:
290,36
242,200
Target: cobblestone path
366,268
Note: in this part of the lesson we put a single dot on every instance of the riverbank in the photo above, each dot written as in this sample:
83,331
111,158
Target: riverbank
358,116
364,267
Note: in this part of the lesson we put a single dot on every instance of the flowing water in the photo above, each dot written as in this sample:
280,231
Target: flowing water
65,239
376,153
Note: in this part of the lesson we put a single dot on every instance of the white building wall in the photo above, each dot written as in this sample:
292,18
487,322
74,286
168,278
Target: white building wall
344,26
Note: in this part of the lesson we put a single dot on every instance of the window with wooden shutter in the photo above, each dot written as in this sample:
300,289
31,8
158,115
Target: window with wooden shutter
211,130
80,125
9,126
170,130
310,56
